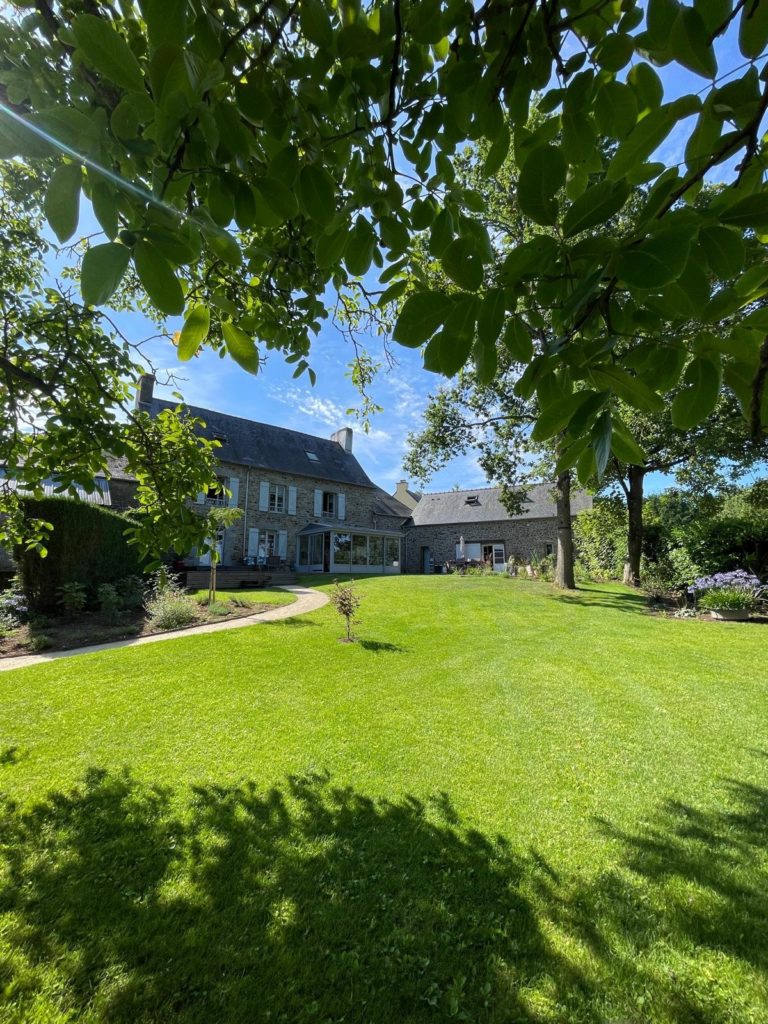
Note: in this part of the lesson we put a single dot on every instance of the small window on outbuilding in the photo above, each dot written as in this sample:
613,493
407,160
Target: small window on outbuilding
472,499
312,456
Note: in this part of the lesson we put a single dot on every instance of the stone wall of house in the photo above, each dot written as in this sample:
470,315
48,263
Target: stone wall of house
357,513
520,537
122,494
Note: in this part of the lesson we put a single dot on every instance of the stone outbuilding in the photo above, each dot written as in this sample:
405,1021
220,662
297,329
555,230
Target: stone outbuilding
474,524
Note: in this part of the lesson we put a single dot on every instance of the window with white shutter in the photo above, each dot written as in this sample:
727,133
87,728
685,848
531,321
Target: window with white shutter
292,492
318,502
234,486
342,506
263,495
282,543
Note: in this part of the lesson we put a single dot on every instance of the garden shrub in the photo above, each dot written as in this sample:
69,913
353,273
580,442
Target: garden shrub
109,602
171,609
72,598
87,543
130,590
600,539
41,642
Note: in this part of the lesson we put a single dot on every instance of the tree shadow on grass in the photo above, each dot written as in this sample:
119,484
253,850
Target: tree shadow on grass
633,603
381,647
312,903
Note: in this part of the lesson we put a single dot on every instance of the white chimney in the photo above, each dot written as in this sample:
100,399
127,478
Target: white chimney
344,438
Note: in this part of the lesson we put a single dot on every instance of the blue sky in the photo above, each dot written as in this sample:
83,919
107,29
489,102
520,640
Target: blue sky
275,397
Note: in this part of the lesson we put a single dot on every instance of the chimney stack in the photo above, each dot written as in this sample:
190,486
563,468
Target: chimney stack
404,495
344,438
144,391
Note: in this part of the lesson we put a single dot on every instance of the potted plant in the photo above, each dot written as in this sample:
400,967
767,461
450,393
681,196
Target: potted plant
730,596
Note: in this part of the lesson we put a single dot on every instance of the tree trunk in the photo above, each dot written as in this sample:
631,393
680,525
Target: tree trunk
564,576
634,526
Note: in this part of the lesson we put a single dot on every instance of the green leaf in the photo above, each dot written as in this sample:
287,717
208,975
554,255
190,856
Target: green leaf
315,24
749,212
486,361
420,317
542,176
106,51
616,110
689,43
441,235
630,389
699,397
661,17
518,340
105,208
330,248
753,29
62,200
624,446
724,250
158,279
656,261
554,418
166,21
278,198
597,205
462,264
241,347
317,194
529,259
497,153
615,51
602,433
102,271
194,332
490,319
648,135
359,249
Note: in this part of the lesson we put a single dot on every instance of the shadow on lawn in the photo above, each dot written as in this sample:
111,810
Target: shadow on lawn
622,601
313,903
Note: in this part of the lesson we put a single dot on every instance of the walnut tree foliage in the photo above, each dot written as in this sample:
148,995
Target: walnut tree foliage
66,398
243,158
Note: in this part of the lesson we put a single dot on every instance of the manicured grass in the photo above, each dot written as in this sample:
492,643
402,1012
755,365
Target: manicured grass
256,595
501,805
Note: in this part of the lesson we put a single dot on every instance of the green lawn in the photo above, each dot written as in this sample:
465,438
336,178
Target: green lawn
257,595
502,805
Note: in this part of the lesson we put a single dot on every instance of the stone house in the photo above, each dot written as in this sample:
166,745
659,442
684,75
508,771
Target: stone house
441,522
306,500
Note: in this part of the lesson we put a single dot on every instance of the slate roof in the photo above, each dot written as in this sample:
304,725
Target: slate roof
266,447
452,507
115,468
386,505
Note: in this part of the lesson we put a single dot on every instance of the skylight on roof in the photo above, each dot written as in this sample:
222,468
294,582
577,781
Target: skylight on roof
472,499
312,456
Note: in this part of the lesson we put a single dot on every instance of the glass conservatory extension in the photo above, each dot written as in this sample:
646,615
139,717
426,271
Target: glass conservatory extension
328,549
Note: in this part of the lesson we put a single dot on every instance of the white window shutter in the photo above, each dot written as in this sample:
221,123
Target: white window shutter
318,502
282,543
291,501
263,495
234,486
342,501
253,542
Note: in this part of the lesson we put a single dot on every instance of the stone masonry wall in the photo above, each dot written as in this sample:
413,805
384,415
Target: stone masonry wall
520,537
358,509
